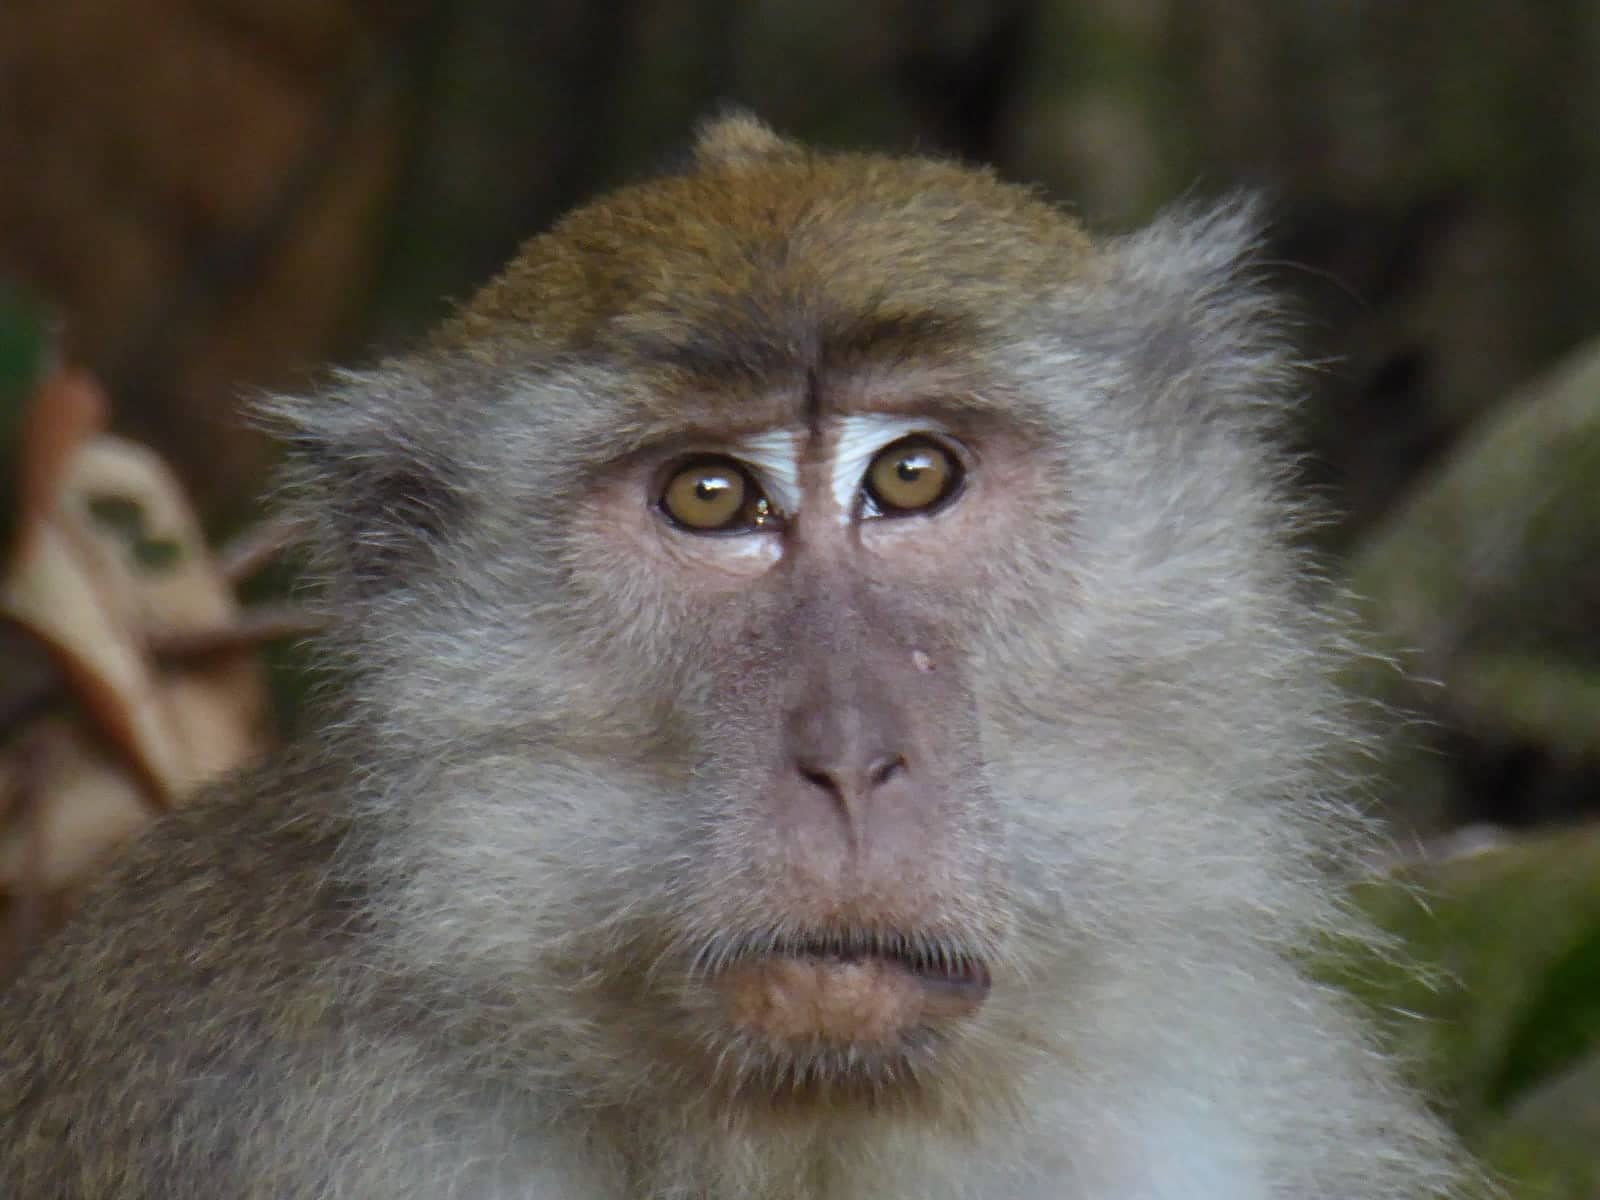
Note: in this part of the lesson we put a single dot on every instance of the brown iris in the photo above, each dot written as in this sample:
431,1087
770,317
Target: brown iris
913,475
715,495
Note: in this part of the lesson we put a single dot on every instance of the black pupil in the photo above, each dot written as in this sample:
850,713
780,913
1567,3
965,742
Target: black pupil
710,487
911,467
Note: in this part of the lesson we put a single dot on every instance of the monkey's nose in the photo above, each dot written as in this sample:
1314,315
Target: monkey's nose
847,743
848,783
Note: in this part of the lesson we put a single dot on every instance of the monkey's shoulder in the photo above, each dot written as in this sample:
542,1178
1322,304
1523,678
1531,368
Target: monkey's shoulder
253,855
225,914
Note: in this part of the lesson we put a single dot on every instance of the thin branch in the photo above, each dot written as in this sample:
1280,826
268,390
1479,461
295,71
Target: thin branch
254,627
253,549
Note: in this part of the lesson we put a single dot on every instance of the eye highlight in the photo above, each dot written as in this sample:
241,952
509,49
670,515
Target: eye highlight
715,495
915,474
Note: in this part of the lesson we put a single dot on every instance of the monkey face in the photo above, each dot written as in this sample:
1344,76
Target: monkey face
847,826
812,569
818,601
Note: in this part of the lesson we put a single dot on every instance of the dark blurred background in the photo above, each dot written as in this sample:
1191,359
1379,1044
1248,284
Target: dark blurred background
214,196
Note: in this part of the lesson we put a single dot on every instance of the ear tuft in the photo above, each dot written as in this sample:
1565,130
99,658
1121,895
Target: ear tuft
375,503
738,137
1203,308
1202,248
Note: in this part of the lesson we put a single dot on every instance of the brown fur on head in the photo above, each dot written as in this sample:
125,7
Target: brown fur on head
740,137
765,240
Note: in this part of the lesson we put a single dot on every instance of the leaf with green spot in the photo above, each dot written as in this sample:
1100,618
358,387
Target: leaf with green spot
122,515
157,554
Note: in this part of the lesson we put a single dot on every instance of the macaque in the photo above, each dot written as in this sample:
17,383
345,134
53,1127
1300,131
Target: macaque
825,706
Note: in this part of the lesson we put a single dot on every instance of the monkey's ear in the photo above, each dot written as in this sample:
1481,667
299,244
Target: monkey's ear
1202,308
1197,243
736,137
376,502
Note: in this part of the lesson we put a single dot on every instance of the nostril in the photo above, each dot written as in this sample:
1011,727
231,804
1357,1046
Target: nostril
818,778
838,785
885,769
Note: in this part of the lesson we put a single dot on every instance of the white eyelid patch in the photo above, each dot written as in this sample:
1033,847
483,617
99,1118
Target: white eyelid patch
775,457
737,548
860,438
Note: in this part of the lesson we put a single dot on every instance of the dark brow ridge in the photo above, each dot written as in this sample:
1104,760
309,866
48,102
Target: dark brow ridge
761,346
718,383
662,433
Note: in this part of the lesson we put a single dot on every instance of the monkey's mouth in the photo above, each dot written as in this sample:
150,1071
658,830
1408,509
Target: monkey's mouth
851,990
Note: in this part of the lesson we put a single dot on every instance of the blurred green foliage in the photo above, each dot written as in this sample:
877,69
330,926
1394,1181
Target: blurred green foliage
1502,1020
24,343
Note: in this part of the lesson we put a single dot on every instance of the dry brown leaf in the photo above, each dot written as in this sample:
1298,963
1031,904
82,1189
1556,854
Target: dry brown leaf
109,551
84,803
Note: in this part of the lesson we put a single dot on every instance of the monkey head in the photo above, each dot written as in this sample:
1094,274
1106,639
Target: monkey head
811,605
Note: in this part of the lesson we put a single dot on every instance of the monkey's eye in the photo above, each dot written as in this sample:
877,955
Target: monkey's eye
914,475
715,495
